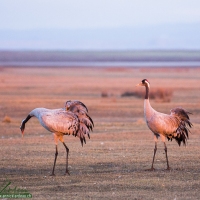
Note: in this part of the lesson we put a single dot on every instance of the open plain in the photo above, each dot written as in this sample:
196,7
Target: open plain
113,163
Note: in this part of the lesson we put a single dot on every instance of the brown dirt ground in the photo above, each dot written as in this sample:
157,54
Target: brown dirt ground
113,162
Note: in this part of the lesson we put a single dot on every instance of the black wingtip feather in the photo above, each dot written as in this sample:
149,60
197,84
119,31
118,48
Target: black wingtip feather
83,105
90,119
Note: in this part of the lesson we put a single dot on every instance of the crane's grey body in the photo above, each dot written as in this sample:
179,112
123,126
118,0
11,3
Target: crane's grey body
173,126
57,120
72,120
160,123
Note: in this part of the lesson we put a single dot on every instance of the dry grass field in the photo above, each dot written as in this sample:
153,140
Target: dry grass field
113,163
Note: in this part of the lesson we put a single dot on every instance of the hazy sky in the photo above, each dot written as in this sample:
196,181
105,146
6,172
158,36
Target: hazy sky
75,14
99,24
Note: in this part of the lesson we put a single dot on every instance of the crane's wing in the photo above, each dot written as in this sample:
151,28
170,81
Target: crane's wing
86,125
61,121
76,106
66,122
86,122
182,117
81,111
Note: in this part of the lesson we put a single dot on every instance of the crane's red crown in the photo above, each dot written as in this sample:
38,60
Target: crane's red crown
145,80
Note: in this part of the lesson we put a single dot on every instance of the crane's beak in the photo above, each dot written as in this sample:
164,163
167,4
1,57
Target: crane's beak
22,131
139,84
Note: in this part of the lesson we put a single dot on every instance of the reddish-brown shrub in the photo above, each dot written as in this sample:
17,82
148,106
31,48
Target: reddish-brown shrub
159,94
104,94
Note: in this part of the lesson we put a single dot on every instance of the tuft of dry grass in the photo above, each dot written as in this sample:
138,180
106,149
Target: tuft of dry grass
104,94
159,94
162,94
6,119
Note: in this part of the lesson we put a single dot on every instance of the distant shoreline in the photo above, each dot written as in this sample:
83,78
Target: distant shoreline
167,58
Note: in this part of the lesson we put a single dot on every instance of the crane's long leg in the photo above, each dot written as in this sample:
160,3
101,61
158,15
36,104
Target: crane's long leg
168,168
67,151
56,154
155,149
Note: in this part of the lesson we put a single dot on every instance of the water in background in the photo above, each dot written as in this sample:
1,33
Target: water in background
100,59
100,64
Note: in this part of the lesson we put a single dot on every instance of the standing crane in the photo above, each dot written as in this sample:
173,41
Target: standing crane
72,120
174,126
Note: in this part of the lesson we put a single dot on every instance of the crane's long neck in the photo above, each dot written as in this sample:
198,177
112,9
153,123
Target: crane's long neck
27,118
148,110
37,112
147,92
31,114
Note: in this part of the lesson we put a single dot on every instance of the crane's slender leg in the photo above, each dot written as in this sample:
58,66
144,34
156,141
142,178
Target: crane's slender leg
155,149
168,168
56,154
67,151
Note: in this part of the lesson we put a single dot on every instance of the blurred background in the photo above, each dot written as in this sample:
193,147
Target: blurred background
126,30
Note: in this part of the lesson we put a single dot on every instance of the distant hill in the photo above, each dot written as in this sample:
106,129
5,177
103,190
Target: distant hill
159,37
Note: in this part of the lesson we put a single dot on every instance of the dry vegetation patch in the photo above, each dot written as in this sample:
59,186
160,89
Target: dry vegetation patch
6,119
159,94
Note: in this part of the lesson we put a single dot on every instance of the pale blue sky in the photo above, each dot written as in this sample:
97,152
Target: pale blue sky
100,24
34,14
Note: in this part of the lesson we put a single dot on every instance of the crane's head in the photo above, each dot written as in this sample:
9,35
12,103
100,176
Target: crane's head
68,104
22,127
144,82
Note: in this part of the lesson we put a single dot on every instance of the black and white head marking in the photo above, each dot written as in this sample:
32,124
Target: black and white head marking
146,82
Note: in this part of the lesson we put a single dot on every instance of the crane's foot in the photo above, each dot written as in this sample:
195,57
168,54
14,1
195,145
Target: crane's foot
67,173
168,168
151,169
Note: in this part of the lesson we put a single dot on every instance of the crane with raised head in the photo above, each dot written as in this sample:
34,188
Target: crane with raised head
173,126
